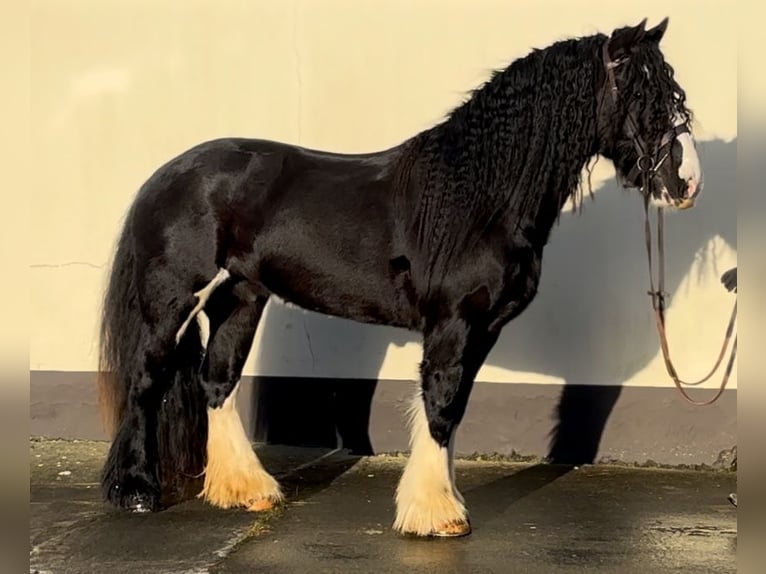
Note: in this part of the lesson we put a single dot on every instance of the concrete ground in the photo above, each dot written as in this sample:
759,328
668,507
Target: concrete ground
526,518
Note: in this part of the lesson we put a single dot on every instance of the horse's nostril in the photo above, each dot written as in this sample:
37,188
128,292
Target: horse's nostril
692,189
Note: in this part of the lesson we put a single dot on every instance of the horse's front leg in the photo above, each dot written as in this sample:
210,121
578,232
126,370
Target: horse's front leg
428,502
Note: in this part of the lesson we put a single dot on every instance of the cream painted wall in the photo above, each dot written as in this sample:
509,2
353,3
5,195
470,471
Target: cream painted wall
118,88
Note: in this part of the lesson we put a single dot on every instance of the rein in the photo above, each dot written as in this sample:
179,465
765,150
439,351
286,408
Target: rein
658,305
646,166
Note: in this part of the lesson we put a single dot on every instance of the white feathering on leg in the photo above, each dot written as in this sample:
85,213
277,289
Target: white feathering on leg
426,498
234,477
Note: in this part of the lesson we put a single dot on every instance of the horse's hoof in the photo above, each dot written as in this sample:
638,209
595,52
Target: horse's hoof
140,503
133,494
260,505
453,529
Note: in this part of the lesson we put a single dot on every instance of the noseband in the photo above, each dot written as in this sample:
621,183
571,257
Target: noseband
648,162
647,165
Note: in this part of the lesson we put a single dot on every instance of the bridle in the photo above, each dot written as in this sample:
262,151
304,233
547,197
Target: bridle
647,165
648,162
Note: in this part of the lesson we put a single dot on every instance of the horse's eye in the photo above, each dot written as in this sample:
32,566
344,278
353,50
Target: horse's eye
638,94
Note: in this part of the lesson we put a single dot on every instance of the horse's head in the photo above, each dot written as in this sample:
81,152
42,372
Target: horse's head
644,124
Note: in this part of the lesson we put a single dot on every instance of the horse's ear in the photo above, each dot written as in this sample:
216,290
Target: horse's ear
656,33
625,41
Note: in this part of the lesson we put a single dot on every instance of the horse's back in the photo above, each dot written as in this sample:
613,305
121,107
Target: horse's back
327,236
237,180
315,228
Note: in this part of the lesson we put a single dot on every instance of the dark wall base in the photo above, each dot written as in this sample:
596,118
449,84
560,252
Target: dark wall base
574,424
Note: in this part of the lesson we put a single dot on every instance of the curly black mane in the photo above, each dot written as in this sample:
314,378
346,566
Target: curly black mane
518,145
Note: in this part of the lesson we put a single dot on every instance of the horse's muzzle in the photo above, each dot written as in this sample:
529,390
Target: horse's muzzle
685,203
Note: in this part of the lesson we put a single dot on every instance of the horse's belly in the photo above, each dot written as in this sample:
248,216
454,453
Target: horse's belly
356,289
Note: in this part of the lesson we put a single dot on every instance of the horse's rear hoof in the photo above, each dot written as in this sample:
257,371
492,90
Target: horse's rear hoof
140,503
133,494
136,502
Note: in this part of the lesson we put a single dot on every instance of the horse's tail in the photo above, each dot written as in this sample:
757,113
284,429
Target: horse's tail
119,334
181,422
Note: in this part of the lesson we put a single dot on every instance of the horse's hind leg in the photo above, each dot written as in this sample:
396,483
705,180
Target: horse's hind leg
131,476
234,477
428,502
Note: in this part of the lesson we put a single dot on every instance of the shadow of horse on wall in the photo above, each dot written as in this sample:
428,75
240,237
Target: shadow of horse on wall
590,326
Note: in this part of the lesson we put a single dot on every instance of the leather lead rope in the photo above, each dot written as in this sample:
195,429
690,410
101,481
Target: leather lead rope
658,304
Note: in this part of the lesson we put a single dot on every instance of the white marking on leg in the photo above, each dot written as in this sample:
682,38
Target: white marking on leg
202,295
427,500
234,477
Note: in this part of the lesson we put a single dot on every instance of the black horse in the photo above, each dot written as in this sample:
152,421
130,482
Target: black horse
443,235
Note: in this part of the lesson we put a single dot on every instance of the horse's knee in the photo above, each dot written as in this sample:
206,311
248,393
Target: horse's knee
444,405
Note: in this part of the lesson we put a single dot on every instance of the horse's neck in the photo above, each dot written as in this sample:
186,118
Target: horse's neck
535,151
534,204
513,153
